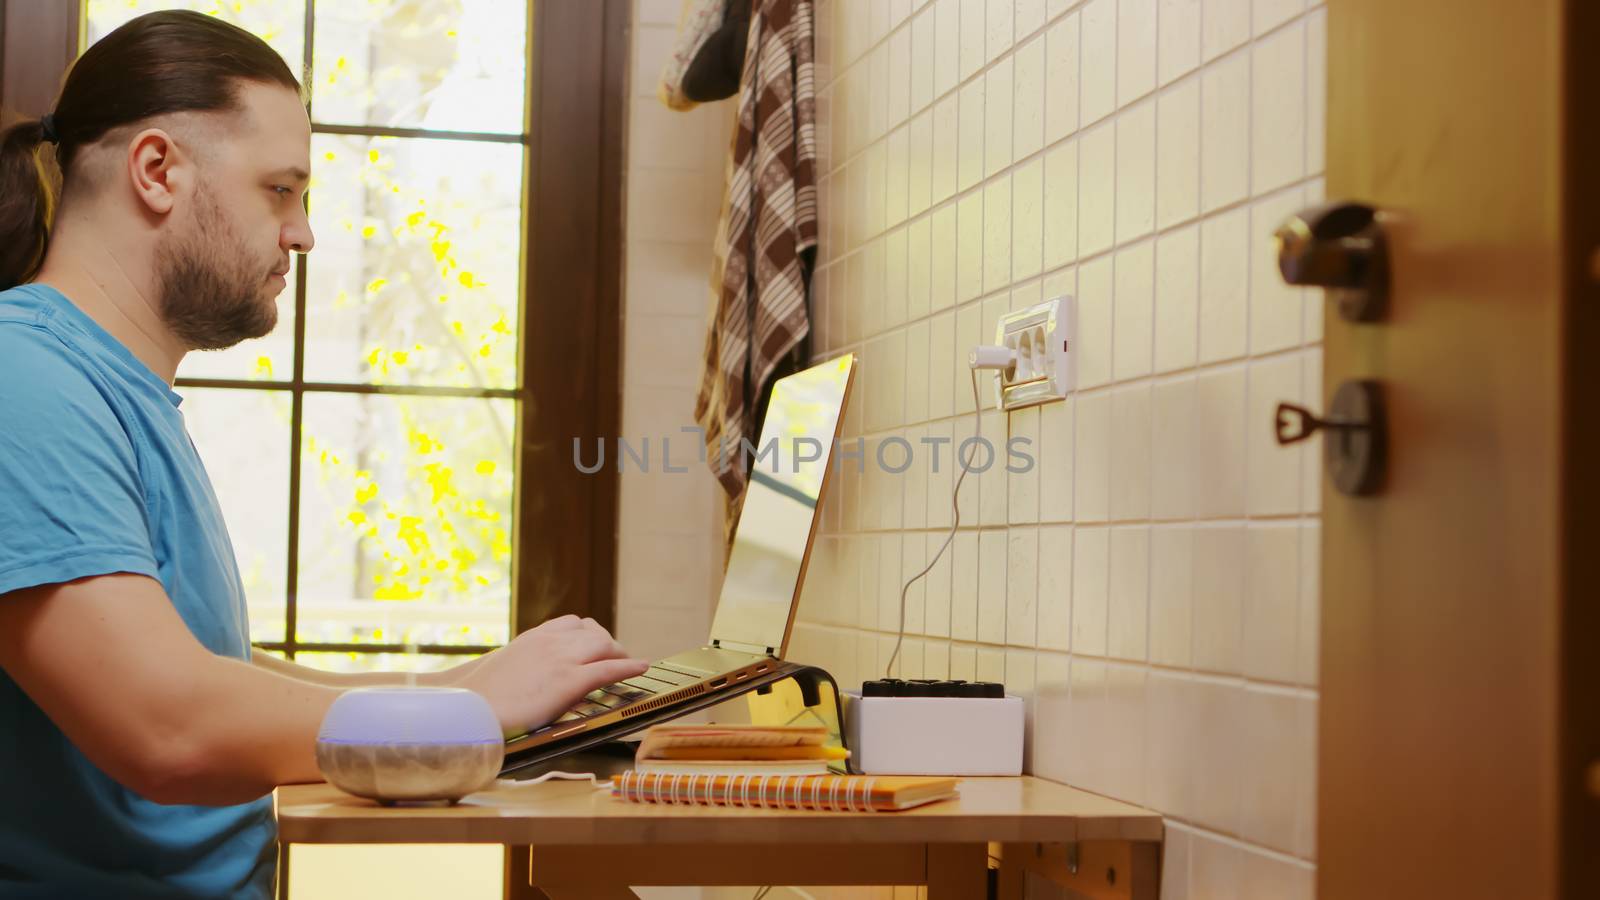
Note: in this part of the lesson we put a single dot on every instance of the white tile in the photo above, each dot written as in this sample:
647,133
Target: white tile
914,481
1052,735
997,24
1224,132
671,205
1022,573
1215,868
1061,205
1270,877
1088,722
973,37
942,252
969,247
1054,598
889,582
1092,457
1304,842
1269,14
1224,24
1177,153
897,176
1122,753
997,234
1128,595
1136,49
969,331
676,277
1178,40
1308,630
946,46
1130,453
941,372
661,350
879,22
1271,726
963,663
1027,119
895,289
872,275
922,59
1136,171
1272,601
916,389
1274,470
969,157
1098,97
1218,770
1316,88
1055,456
1220,444
1030,17
1135,309
946,130
919,269
993,573
1172,458
1022,467
1177,299
1091,559
1219,571
1224,281
998,83
899,77
936,598
1171,595
1061,79
876,188
1094,322
1169,735
1027,219
1276,309
1278,109
878,97
1097,189
867,600
964,586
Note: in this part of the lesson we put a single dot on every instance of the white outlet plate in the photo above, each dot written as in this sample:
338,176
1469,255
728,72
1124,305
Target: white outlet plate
1043,336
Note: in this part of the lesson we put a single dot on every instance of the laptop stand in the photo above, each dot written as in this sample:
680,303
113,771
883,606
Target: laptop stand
532,762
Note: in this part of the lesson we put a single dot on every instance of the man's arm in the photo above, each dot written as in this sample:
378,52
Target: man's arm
115,668
445,678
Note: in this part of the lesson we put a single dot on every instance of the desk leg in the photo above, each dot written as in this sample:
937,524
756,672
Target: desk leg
958,871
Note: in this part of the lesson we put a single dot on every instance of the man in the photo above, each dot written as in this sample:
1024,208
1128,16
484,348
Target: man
139,737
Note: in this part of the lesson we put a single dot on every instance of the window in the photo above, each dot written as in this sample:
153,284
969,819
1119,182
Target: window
364,452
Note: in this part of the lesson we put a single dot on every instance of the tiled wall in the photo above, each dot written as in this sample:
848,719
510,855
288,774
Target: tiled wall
669,557
1150,585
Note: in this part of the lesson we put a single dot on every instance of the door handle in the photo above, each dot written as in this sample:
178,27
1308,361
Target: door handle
1357,446
1339,246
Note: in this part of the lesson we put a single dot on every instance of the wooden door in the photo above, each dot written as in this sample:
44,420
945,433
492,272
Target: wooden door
1454,728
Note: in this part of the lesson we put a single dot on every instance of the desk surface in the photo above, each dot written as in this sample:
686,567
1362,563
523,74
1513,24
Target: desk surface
1022,809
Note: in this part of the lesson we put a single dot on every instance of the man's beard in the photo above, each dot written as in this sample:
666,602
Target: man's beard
210,290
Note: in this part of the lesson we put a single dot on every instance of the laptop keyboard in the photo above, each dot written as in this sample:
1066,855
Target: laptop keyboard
658,679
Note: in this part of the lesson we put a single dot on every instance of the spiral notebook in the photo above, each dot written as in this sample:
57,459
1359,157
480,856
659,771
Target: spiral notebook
833,793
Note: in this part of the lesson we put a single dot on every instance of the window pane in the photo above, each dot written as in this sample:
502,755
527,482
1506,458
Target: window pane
405,520
243,439
381,662
270,358
281,23
457,66
414,279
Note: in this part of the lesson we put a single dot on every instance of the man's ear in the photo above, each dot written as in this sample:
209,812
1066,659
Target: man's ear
156,169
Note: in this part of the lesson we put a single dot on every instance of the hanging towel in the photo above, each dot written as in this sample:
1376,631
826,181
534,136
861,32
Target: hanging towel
697,21
769,229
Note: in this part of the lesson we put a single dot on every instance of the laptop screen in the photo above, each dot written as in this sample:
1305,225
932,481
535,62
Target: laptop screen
788,470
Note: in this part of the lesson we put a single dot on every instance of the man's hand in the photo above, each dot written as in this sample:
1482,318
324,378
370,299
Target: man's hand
547,669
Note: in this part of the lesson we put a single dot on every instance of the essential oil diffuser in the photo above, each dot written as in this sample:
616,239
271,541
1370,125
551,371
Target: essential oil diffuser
394,744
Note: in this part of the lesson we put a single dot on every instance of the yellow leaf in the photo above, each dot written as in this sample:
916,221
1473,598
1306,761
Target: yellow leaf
368,231
400,357
373,155
485,350
365,494
358,518
376,285
485,467
467,279
330,156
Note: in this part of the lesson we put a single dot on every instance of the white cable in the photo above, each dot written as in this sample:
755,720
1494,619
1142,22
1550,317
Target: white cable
955,508
567,776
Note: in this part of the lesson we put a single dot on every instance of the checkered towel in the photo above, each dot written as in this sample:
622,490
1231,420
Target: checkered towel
769,221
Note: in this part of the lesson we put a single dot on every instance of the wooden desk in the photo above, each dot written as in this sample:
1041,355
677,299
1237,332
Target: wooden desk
571,840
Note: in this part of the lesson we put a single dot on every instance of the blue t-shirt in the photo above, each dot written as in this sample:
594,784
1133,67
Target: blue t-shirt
98,475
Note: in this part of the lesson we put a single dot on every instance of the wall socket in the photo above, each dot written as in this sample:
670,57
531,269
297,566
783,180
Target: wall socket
1042,337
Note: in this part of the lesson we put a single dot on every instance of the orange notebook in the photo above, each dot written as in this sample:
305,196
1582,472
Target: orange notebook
835,793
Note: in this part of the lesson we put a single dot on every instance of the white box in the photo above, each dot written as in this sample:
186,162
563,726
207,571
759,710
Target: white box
934,735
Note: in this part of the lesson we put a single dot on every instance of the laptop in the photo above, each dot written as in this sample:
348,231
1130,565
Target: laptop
789,474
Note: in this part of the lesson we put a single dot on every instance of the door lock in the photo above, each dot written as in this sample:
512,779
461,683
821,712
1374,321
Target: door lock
1357,449
1339,246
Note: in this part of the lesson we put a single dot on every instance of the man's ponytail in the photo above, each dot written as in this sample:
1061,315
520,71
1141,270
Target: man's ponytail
27,202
